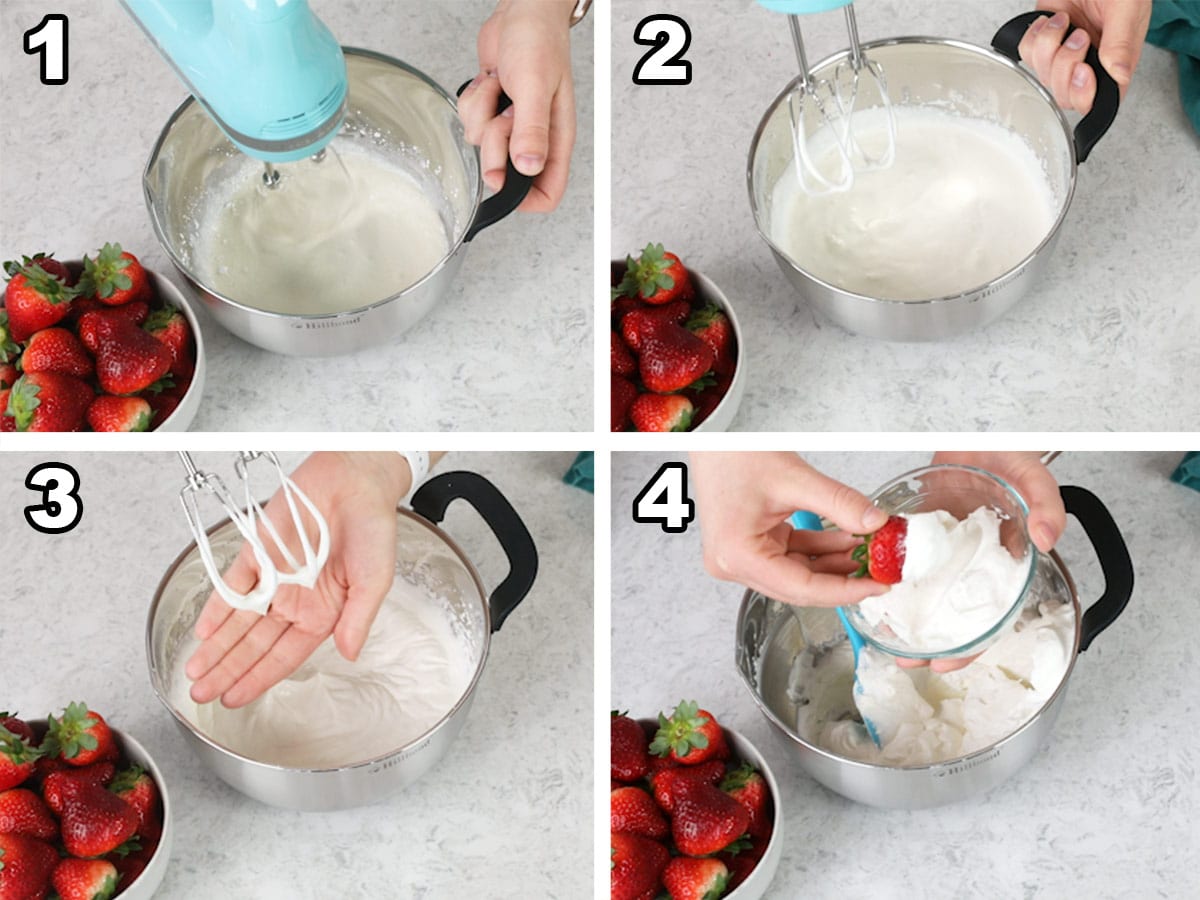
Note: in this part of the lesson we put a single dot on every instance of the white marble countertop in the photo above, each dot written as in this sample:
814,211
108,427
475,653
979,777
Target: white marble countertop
1100,344
71,161
507,813
1107,808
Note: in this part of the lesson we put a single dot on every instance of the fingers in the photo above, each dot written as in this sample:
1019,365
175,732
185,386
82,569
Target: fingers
358,614
817,543
549,187
241,577
1121,41
493,151
286,655
477,105
532,92
1047,517
1071,80
936,665
231,653
789,580
841,504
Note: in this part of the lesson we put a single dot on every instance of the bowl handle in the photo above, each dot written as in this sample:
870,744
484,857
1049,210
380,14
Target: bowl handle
1108,96
431,500
1114,560
510,195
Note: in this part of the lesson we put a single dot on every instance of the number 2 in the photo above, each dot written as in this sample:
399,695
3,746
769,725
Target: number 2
49,39
664,500
670,37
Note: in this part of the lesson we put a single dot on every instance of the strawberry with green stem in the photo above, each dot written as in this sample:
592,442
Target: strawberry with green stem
48,401
34,299
712,326
686,878
690,735
114,277
881,555
17,756
636,866
138,789
747,786
119,414
81,737
656,277
661,412
85,879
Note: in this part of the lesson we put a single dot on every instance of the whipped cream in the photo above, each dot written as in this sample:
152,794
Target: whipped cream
958,582
964,202
923,717
331,712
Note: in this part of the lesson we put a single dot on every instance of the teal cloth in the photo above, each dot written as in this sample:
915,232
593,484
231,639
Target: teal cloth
582,473
1175,26
1188,473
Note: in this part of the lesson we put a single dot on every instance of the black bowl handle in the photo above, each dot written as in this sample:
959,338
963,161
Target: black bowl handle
1114,560
431,500
1108,95
509,197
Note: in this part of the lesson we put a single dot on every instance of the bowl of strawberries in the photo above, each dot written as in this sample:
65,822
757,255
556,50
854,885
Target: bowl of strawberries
693,809
675,347
84,810
97,344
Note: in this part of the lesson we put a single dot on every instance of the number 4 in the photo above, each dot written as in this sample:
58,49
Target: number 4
49,39
664,500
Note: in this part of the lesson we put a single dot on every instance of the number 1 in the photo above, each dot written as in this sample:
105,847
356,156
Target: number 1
49,39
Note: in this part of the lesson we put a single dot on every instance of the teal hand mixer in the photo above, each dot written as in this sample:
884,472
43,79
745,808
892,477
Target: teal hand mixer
268,72
824,108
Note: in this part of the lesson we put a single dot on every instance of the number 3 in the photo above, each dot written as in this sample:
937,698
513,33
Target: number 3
670,37
49,39
61,507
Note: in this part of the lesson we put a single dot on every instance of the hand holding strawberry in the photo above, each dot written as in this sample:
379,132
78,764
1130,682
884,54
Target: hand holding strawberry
881,555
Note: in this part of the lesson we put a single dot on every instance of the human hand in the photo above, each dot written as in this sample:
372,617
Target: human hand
1118,27
524,50
744,501
242,654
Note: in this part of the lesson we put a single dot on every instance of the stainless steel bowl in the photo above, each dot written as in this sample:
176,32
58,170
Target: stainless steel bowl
962,78
769,639
398,110
427,557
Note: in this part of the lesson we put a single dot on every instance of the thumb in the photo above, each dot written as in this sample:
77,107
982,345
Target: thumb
1121,40
844,506
532,96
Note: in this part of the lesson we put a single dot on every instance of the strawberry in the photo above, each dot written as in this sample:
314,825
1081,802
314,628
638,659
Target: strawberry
633,811
135,312
882,554
81,737
713,327
84,879
661,412
745,785
657,277
56,350
137,789
128,359
130,866
114,277
672,358
742,862
48,401
690,736
621,360
708,397
24,812
620,307
19,727
8,376
45,262
9,349
638,324
706,819
58,784
108,413
622,393
629,759
95,822
25,867
693,879
171,328
636,867
161,407
35,299
7,422
666,782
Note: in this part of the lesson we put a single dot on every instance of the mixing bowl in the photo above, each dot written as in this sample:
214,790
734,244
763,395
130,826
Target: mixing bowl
769,640
395,110
426,557
961,78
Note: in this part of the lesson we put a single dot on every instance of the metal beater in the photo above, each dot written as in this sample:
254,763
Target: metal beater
247,517
824,106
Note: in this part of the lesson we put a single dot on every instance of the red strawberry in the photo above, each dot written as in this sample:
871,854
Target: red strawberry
713,327
24,812
690,736
161,406
656,277
137,789
46,263
633,811
622,393
882,554
128,359
745,785
7,422
135,312
621,360
108,413
708,398
673,358
114,277
639,324
25,867
666,782
84,879
171,328
661,412
706,819
636,867
742,863
48,401
56,350
19,727
620,307
693,879
629,759
95,822
35,299
130,866
57,785
81,736
8,376
9,349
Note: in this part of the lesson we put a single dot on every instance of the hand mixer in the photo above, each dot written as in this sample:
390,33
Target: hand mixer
270,74
826,107
247,517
